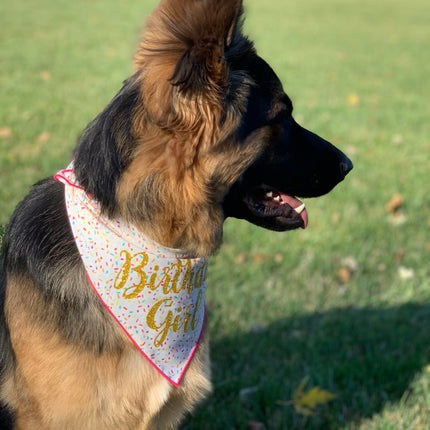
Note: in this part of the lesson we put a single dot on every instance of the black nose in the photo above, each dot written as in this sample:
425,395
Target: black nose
345,166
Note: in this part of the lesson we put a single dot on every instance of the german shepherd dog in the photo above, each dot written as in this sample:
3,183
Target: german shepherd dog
202,131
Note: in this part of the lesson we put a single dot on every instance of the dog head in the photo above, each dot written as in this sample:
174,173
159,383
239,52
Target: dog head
203,130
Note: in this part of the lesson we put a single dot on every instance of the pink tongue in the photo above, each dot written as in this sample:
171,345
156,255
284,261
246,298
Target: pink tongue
295,203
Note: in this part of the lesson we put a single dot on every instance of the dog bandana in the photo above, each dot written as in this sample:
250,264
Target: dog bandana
156,294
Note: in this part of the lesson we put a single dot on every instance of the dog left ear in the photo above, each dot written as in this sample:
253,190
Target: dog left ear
184,74
185,40
201,66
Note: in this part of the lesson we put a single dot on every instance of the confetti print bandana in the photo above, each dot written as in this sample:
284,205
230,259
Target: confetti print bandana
156,294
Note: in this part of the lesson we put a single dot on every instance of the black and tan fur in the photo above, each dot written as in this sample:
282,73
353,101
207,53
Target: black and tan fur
200,132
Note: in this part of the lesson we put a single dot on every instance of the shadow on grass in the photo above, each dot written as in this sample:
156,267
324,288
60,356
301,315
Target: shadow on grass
368,357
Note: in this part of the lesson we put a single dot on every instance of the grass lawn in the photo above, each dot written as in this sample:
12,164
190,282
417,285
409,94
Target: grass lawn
344,303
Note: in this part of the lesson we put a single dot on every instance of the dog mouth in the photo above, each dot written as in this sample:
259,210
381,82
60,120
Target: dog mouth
284,211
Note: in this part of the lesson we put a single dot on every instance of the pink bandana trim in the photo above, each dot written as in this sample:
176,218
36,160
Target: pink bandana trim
156,294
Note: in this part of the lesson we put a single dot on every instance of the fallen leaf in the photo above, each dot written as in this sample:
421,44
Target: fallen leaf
344,275
46,76
259,258
397,139
395,203
353,100
351,150
240,258
349,265
278,258
43,137
5,132
305,402
399,255
335,217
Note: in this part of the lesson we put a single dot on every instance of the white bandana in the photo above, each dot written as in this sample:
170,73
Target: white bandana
156,294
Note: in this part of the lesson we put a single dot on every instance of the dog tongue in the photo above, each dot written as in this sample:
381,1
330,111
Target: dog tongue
298,206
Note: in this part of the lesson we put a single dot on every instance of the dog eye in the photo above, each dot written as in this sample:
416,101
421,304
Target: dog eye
282,110
281,115
288,105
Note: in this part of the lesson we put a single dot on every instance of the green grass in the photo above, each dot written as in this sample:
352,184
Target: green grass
358,75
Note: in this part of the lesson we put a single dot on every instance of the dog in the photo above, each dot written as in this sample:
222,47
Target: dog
102,322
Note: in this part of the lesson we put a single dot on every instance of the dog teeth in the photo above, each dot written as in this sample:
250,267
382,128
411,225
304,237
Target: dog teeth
274,196
300,209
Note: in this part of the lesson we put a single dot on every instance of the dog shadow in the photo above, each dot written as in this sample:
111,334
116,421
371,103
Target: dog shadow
368,357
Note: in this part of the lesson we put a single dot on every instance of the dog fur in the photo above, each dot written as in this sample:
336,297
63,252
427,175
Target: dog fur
201,131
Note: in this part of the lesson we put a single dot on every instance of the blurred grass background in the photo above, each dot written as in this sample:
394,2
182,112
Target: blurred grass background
345,302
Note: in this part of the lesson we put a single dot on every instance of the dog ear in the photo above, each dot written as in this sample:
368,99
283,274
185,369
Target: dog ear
201,65
184,74
189,38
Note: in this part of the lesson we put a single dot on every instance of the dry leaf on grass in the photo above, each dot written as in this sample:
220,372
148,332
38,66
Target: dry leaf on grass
395,203
394,209
344,275
349,265
43,137
278,258
259,258
305,402
240,258
353,100
399,255
46,76
5,132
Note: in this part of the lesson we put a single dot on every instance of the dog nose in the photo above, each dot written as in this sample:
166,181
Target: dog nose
345,167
